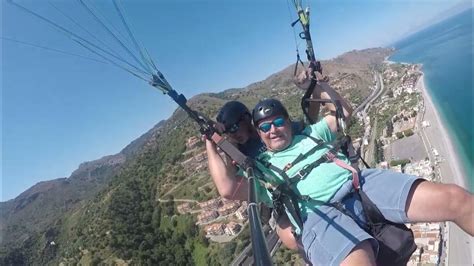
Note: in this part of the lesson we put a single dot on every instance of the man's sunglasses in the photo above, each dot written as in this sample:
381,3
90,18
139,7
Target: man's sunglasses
235,127
277,122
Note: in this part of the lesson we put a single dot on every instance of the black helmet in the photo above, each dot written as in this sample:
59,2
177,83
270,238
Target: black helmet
268,108
231,113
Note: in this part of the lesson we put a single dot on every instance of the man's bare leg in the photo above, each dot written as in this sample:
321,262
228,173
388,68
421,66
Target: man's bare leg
361,254
433,202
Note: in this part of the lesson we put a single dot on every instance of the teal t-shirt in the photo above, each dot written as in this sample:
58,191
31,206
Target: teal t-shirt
322,182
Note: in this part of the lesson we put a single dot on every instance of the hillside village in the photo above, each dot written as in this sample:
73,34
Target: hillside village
217,216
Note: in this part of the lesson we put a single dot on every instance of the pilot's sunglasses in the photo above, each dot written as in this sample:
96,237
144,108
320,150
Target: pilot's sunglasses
277,122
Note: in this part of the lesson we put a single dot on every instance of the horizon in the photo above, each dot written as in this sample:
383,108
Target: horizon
127,113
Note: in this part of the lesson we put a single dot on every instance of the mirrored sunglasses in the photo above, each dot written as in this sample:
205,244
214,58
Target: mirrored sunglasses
277,122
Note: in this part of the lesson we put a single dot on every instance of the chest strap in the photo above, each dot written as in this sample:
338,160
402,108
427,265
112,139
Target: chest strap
282,172
330,155
285,197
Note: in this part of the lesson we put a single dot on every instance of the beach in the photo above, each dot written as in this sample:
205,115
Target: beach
460,246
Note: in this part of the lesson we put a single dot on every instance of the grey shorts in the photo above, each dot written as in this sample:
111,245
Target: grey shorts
329,236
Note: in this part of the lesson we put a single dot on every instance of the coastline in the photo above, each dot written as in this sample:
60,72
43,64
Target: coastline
451,169
459,244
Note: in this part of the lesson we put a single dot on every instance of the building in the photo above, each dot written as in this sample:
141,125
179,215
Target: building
215,229
425,124
200,157
211,204
421,168
207,216
184,208
192,142
195,161
229,208
396,168
429,239
232,228
241,212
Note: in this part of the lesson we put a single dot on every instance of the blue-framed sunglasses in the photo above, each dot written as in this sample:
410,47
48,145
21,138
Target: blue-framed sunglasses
277,122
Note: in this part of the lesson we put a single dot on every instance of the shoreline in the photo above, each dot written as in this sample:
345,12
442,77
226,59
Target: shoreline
459,244
451,168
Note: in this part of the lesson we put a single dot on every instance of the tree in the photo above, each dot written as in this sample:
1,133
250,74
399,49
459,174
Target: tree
378,149
408,132
156,218
389,128
227,253
390,93
399,135
401,162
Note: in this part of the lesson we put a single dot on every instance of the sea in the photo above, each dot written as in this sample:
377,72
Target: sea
446,51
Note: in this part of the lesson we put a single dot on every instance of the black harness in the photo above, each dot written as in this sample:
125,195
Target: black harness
284,196
396,241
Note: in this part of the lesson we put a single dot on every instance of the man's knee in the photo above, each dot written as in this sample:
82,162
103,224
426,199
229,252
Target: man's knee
448,199
284,230
286,236
459,200
361,254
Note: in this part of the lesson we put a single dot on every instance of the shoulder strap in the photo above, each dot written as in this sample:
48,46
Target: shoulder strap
301,156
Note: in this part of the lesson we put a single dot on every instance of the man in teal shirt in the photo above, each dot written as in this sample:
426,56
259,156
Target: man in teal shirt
328,236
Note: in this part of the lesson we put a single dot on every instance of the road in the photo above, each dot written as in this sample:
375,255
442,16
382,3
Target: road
372,95
178,200
379,88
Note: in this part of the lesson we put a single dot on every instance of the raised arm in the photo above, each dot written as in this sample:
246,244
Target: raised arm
323,91
224,174
327,92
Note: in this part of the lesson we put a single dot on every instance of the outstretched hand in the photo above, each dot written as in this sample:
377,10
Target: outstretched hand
303,79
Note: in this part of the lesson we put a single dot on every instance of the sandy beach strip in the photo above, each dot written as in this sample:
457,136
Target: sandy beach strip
439,138
460,244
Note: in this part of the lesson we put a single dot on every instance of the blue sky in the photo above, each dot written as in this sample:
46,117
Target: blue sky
60,110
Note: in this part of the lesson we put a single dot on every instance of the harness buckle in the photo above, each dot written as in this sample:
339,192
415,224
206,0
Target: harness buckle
302,173
330,156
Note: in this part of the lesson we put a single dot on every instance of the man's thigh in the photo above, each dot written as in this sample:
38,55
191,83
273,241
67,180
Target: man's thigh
329,236
389,191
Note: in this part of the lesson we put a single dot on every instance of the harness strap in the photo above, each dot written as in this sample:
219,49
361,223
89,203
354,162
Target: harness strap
301,174
355,175
308,168
284,196
298,159
294,207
